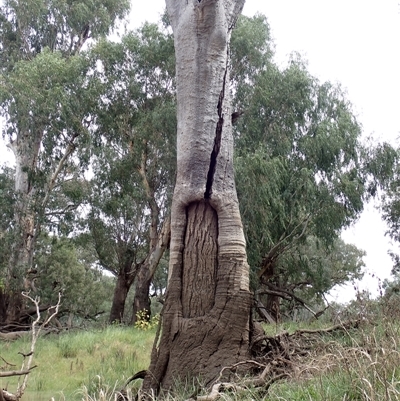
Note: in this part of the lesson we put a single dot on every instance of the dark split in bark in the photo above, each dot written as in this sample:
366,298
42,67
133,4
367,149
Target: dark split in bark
217,142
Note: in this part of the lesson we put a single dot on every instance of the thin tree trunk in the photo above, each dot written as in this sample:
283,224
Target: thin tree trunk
27,215
3,307
206,315
273,307
273,301
141,301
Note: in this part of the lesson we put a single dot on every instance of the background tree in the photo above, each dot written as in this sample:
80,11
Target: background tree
302,170
45,99
66,267
134,165
307,273
7,199
387,165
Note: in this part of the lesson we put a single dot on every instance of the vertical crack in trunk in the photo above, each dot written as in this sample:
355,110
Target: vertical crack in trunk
217,141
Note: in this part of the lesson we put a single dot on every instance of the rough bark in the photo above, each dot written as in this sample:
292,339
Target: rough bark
205,320
141,299
124,282
273,307
118,303
3,307
273,300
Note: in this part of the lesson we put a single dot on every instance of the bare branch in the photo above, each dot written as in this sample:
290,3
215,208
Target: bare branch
36,329
7,363
17,372
279,292
70,149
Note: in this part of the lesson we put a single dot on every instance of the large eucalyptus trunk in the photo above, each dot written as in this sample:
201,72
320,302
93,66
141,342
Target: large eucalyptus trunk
206,316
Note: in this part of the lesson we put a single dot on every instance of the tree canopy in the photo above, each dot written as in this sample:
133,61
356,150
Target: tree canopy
73,98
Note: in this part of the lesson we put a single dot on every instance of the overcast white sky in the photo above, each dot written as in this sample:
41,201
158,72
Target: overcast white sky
355,43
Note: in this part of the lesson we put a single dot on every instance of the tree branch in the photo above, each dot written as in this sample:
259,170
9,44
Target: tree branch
279,247
35,334
279,292
17,372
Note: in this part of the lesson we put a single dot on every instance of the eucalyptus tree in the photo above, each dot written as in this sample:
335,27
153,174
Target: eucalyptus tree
301,171
68,266
388,165
307,272
7,199
206,315
134,148
45,100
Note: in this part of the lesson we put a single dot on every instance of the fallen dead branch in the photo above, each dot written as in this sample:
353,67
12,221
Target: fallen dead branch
13,335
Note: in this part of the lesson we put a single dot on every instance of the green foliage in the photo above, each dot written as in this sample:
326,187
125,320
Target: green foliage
386,161
133,147
65,268
29,26
136,119
311,270
300,168
47,98
251,52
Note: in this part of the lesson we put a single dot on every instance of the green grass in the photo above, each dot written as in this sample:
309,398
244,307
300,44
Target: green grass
361,363
67,362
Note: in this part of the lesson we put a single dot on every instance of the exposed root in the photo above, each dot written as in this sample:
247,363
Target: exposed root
275,358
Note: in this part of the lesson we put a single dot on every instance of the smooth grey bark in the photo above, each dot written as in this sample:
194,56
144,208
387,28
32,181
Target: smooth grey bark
27,217
206,316
26,151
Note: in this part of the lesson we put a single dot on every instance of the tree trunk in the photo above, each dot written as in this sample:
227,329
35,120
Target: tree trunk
159,244
118,303
273,301
3,307
206,316
141,300
26,150
273,306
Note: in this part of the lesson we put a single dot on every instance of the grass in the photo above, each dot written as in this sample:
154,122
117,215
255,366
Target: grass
361,363
68,362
